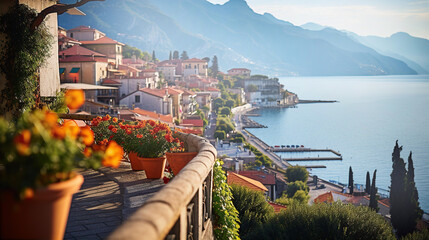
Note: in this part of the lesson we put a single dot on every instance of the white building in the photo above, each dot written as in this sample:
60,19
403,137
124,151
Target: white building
154,100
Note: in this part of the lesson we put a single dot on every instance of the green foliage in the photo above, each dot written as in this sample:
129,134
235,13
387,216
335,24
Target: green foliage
296,173
22,53
351,184
368,183
252,208
252,88
293,187
226,111
230,103
404,205
417,235
214,67
226,221
129,52
301,197
221,135
373,200
324,221
176,54
184,55
238,140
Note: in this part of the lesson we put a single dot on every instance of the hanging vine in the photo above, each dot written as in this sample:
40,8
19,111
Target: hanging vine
23,52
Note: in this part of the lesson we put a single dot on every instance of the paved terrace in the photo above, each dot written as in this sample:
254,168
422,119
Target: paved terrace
124,204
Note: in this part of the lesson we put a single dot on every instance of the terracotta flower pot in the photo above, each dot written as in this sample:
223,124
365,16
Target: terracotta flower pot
134,160
178,161
154,167
43,216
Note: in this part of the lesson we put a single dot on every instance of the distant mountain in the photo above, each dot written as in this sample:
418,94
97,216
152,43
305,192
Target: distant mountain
236,34
412,50
313,26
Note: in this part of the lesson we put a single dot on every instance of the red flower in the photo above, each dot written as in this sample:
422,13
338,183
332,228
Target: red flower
139,136
111,127
166,180
115,130
115,119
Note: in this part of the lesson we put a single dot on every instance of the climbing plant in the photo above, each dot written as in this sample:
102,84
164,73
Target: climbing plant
23,51
226,221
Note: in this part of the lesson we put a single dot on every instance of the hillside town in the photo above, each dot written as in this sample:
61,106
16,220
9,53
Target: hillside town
123,135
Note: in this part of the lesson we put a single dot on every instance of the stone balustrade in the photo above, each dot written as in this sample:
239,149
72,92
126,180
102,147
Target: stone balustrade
183,208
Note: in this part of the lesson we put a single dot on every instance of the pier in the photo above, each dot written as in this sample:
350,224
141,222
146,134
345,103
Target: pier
317,101
313,166
313,159
300,149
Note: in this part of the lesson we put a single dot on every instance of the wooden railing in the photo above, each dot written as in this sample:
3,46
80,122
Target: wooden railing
183,208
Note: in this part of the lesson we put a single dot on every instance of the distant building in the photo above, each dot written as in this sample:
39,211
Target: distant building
269,181
194,66
261,90
154,100
237,179
85,33
107,46
239,72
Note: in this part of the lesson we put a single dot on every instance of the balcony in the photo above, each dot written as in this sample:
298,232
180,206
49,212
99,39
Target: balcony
124,204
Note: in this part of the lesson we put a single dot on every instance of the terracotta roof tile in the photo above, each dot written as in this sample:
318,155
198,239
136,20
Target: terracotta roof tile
266,179
77,50
153,115
277,207
233,178
111,81
212,89
83,59
194,122
194,60
155,92
103,40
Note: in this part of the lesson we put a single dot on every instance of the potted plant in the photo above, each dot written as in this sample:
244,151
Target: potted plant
178,157
37,159
146,143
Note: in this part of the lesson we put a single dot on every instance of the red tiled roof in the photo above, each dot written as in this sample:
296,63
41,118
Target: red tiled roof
132,61
194,122
149,70
192,131
103,40
266,179
155,92
233,178
77,50
124,67
238,69
174,91
324,198
62,36
153,115
111,81
82,59
193,85
277,207
212,89
188,92
194,60
82,28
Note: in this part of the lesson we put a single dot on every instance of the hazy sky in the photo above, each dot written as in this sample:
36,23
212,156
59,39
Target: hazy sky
364,17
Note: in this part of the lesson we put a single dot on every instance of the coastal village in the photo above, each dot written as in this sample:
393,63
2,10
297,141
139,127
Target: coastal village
211,108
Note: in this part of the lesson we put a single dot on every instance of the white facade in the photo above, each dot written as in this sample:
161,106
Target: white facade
149,102
130,85
169,72
85,34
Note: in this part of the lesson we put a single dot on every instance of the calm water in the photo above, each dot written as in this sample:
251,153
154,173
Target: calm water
372,114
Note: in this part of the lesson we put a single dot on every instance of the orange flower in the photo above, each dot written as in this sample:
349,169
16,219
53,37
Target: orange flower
128,131
58,132
50,119
112,155
87,152
106,118
22,142
28,193
115,130
75,98
87,135
115,119
71,128
139,136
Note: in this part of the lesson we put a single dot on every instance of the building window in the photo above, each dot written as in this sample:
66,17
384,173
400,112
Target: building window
137,99
71,35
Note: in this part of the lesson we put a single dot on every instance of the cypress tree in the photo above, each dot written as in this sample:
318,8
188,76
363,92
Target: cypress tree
170,57
176,54
373,203
351,180
184,56
368,183
153,56
215,66
414,210
398,203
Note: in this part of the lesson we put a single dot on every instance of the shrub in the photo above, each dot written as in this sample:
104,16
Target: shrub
297,173
225,110
324,221
221,135
293,187
252,208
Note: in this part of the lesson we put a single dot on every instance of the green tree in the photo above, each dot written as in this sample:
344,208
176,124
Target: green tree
296,173
207,59
221,135
214,67
226,221
176,54
225,110
184,56
414,211
153,56
293,187
398,199
230,103
351,184
368,183
252,88
325,221
373,200
252,208
170,56
417,235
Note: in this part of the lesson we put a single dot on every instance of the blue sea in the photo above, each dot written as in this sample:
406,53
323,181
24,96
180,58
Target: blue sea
372,113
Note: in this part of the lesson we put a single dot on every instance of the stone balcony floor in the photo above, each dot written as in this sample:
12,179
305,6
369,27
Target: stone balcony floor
106,199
